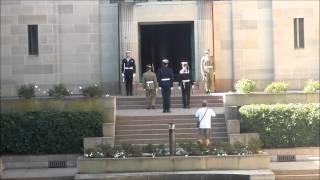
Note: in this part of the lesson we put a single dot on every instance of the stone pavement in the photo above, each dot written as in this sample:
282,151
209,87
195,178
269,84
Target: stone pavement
69,173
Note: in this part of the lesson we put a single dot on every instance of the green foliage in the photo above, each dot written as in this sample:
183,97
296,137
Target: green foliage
312,86
184,148
47,132
92,91
58,91
276,87
283,125
245,86
26,91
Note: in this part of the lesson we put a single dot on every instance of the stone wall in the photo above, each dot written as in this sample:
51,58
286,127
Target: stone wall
68,44
295,66
252,41
223,45
79,40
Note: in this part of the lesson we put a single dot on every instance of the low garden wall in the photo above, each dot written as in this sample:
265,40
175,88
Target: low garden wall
104,105
50,126
176,163
237,99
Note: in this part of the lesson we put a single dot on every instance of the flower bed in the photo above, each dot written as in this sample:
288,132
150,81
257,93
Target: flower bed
173,163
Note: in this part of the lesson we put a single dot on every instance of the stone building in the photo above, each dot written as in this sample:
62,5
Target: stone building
81,42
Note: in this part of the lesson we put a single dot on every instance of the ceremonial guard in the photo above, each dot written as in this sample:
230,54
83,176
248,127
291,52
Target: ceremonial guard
165,79
185,84
150,85
207,71
128,70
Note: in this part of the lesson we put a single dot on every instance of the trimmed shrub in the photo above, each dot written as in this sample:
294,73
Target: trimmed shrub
58,91
92,91
283,125
245,86
47,132
276,87
312,86
26,91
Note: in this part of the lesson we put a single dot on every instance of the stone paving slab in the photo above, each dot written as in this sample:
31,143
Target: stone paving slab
39,173
180,173
71,172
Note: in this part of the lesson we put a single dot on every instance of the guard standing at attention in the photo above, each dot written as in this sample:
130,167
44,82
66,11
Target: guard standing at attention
128,70
185,84
150,85
165,79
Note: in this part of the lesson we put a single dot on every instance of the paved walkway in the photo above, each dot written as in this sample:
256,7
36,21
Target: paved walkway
71,172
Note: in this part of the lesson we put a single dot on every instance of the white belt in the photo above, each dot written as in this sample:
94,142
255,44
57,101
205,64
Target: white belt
149,82
185,81
128,68
209,66
165,79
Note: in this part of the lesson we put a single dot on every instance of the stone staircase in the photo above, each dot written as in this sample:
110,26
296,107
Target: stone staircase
137,125
139,102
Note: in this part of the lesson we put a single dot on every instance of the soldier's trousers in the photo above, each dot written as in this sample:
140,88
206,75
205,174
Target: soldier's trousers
151,97
185,91
209,81
128,79
166,94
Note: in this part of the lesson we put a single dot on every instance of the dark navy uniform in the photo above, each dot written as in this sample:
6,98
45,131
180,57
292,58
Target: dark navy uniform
165,80
185,83
128,68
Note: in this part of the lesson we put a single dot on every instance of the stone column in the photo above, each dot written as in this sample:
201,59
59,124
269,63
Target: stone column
126,27
203,33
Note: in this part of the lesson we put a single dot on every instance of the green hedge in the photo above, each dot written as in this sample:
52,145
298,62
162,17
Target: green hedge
283,125
47,132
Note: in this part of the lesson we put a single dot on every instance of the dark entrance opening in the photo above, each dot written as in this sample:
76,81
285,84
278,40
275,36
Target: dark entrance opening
172,41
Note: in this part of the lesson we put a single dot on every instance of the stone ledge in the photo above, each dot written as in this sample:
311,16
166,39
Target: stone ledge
242,137
266,98
36,161
176,163
108,130
93,142
233,126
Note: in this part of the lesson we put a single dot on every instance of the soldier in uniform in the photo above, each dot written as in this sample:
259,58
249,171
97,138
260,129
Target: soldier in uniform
165,79
185,84
207,71
150,85
128,70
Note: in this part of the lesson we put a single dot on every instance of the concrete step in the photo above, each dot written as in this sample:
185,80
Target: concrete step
139,102
161,117
39,174
173,98
164,131
159,106
164,140
298,177
164,126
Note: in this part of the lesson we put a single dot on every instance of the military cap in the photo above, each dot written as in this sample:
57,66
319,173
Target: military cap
165,61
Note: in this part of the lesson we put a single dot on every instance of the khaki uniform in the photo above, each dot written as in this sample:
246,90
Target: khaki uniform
150,84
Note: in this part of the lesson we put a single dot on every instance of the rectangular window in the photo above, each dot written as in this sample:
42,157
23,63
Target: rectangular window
298,33
33,39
